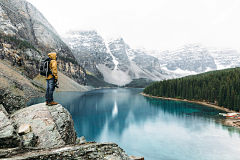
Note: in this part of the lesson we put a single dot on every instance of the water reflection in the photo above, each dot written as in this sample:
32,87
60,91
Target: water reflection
115,110
153,128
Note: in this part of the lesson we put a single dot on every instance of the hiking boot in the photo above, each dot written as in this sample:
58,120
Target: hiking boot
46,103
52,103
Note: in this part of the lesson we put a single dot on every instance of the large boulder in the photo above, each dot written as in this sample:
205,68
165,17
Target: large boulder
53,126
10,101
8,136
64,123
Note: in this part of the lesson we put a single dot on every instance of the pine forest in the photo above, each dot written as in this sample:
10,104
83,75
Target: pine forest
220,87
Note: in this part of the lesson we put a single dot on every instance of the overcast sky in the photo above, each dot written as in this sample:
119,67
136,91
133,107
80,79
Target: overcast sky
152,24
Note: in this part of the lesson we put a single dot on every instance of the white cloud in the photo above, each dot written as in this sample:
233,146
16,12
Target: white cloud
154,24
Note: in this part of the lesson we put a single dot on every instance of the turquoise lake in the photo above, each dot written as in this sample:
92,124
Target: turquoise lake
152,128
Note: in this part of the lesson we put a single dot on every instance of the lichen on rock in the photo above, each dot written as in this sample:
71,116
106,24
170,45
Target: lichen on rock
42,125
29,140
64,123
8,136
10,101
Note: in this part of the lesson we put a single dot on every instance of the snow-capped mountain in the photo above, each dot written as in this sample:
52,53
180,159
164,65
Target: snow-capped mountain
23,21
89,49
227,58
190,58
20,20
116,61
194,58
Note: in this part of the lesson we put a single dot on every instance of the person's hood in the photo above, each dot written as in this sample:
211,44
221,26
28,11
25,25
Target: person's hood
52,55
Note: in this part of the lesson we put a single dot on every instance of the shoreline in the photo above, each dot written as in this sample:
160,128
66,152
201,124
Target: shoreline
197,102
228,122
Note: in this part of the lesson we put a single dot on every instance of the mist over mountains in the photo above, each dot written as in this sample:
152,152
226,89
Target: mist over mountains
195,58
115,59
85,54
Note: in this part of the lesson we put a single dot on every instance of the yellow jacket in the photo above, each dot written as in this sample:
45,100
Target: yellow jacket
53,66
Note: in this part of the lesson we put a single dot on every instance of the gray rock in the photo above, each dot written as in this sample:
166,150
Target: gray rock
24,129
81,140
53,125
2,109
136,158
112,157
64,123
29,140
10,101
106,150
42,125
8,136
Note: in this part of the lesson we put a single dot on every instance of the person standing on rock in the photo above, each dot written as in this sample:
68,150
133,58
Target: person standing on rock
51,79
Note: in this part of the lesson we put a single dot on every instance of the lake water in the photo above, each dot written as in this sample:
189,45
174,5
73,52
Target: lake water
153,128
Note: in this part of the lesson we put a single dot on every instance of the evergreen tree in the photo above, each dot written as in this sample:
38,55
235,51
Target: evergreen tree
221,86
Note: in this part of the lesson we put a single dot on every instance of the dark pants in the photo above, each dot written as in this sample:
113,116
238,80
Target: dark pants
50,90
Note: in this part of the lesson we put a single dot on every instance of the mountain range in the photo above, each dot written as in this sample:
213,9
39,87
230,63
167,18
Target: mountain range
89,59
195,58
114,59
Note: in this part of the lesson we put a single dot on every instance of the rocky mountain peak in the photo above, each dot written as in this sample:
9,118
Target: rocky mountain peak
115,59
26,33
192,57
23,21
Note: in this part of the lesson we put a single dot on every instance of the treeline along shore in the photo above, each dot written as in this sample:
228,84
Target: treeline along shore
221,88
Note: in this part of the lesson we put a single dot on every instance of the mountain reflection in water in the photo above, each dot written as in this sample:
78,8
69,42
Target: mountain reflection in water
149,127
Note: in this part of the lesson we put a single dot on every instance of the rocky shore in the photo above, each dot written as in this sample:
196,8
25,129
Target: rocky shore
47,132
228,122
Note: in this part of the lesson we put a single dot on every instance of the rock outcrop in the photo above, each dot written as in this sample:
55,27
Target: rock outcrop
16,88
11,102
8,136
64,123
91,150
52,125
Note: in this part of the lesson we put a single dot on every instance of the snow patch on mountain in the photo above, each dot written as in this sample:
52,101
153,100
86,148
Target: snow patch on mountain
180,71
117,61
115,76
114,58
131,54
